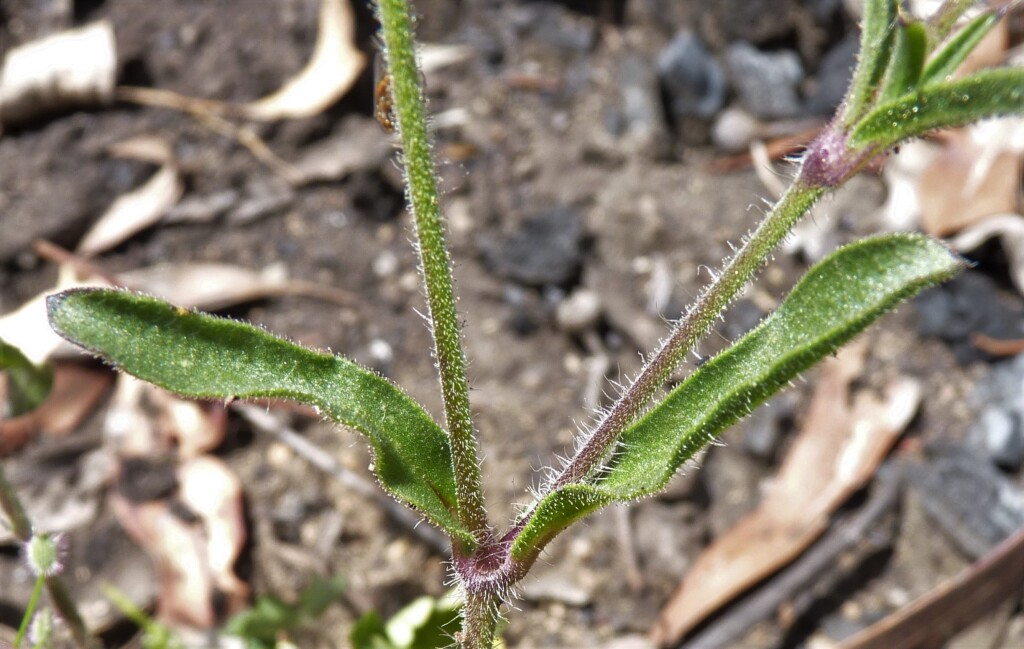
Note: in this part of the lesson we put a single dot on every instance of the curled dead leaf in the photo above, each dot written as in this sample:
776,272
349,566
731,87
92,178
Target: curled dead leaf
194,555
141,208
330,72
74,68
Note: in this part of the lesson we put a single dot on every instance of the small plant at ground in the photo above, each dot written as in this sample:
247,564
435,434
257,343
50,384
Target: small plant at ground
903,87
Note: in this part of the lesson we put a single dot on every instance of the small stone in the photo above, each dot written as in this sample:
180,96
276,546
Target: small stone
556,587
1003,437
691,77
766,82
643,126
974,504
385,264
969,303
579,311
734,129
546,250
381,352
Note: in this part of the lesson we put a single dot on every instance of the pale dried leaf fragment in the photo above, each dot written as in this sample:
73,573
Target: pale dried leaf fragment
28,328
211,286
839,448
1010,230
333,68
194,561
143,207
977,175
74,68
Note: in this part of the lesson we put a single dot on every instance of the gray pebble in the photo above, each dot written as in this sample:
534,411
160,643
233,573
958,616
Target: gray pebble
765,81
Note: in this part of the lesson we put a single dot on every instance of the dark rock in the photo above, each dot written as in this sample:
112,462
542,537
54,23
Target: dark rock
753,21
833,77
741,317
968,499
554,25
999,398
545,250
691,78
766,82
642,123
969,303
763,431
823,10
143,480
288,516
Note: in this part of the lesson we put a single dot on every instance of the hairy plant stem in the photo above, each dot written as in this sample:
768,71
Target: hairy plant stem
697,321
479,620
435,262
60,598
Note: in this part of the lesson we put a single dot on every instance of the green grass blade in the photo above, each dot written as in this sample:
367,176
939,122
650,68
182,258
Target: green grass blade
28,385
948,58
836,300
990,93
204,356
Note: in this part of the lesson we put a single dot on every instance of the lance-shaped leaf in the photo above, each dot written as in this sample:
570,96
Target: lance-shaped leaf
990,93
204,356
834,301
27,384
954,51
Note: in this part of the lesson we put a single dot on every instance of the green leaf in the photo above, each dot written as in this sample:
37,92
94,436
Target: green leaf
27,385
424,623
835,300
876,43
203,356
907,61
990,93
948,58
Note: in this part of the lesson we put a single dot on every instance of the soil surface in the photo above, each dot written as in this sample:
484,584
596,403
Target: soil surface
559,192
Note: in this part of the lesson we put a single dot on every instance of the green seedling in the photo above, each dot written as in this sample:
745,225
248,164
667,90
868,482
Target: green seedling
902,88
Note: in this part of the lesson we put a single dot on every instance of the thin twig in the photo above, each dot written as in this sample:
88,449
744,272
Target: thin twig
352,481
210,113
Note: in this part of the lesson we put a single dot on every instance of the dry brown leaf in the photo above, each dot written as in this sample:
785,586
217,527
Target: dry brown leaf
76,391
836,453
141,208
959,189
74,68
333,68
194,560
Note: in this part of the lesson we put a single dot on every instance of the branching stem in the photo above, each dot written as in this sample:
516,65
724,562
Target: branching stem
690,328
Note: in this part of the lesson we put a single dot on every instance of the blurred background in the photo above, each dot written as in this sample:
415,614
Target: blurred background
597,159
